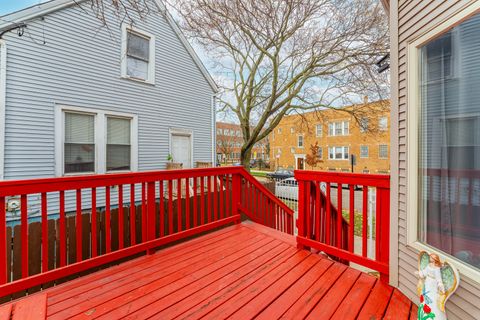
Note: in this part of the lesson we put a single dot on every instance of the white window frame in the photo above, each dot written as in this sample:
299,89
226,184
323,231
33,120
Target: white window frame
151,55
380,127
343,153
319,133
379,157
298,141
368,151
292,130
413,112
3,97
345,127
100,139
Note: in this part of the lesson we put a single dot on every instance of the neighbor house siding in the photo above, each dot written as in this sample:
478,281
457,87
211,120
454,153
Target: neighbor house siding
414,19
79,65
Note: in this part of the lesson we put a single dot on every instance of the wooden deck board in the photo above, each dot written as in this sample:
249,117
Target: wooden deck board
239,272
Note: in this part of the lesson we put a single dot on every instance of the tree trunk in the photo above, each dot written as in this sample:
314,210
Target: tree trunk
245,156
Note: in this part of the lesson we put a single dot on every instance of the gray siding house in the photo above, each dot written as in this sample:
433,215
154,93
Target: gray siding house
435,143
77,97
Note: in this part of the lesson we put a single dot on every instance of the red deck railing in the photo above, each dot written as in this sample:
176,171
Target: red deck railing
88,221
322,228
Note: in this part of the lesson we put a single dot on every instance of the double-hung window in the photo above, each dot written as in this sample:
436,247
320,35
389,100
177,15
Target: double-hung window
383,124
138,55
364,122
444,141
338,153
94,141
118,143
318,129
300,142
79,143
341,128
383,151
363,151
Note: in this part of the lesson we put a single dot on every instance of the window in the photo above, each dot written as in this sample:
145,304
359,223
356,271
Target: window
338,128
79,146
383,151
138,55
338,153
118,144
320,153
318,129
383,124
94,141
292,150
300,142
364,124
446,160
219,131
292,130
366,171
279,130
363,151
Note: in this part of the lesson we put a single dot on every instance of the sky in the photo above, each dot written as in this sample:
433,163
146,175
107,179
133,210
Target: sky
9,6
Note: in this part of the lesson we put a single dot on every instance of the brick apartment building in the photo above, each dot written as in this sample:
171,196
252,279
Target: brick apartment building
230,141
339,135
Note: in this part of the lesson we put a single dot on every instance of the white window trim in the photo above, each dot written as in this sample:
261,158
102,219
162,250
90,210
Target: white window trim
100,139
368,151
334,134
316,130
382,158
3,97
413,83
303,141
343,153
151,55
181,132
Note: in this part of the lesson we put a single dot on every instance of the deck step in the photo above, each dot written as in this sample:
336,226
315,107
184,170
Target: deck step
34,307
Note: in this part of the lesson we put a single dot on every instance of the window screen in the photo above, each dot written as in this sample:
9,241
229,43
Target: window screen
118,144
79,147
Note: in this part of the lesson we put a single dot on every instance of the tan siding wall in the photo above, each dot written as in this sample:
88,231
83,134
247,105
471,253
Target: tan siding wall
415,17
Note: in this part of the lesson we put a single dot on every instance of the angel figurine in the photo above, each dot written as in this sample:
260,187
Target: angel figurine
436,284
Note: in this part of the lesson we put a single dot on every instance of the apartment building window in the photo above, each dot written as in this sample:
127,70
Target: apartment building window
338,128
318,130
279,130
292,130
300,142
138,55
363,151
383,124
364,122
320,153
292,150
118,144
383,151
219,132
79,145
338,153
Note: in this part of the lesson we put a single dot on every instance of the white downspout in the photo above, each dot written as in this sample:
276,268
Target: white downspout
3,100
214,131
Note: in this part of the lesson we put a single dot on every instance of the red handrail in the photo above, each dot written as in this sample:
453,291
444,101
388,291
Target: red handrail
263,207
321,226
120,215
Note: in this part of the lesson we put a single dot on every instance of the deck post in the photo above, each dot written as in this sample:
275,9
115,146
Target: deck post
150,214
301,213
382,228
236,189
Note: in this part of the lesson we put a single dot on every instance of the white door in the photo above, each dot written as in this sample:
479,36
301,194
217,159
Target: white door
182,150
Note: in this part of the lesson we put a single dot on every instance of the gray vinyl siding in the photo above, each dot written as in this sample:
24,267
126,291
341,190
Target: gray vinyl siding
414,18
80,66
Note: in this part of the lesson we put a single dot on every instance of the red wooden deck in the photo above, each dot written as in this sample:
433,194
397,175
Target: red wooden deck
240,272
